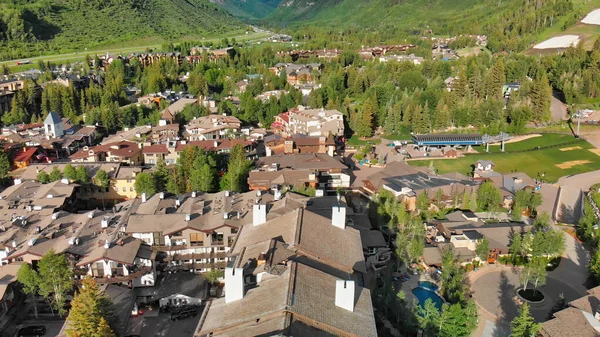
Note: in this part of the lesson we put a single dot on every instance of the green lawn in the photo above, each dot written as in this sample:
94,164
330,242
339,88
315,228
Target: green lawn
397,137
355,141
532,163
532,143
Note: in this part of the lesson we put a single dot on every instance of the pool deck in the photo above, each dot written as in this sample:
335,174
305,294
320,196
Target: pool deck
412,283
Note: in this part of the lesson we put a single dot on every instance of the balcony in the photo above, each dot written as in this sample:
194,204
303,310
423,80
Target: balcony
197,256
122,279
188,266
168,248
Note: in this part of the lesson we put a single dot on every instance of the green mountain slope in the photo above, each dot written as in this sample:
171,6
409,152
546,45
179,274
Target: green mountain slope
512,24
250,9
40,26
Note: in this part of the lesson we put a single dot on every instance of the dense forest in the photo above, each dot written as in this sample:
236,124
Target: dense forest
29,28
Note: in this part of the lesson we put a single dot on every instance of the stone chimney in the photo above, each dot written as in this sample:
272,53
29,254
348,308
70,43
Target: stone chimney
344,294
259,214
338,216
234,284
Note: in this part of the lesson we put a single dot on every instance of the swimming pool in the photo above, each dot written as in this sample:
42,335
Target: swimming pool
428,285
423,294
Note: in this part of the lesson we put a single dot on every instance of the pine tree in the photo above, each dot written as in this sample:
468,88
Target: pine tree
364,126
541,96
442,116
495,80
238,168
524,325
421,120
161,174
90,312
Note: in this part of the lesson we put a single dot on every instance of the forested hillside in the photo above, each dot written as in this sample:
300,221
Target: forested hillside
40,26
512,25
250,9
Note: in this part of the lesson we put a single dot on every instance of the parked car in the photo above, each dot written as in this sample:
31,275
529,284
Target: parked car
185,312
34,330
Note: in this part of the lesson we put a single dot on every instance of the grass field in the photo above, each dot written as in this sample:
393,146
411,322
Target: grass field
123,48
575,158
532,143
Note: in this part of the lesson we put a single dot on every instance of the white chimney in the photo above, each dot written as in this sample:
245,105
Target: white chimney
188,217
107,246
104,222
193,194
17,181
338,216
234,284
49,196
226,193
177,202
72,241
55,215
277,195
91,214
77,241
259,214
319,193
29,208
32,241
216,144
161,195
14,244
258,193
65,181
143,197
344,294
225,215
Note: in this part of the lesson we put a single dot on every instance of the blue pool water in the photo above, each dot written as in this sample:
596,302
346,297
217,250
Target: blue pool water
423,294
428,285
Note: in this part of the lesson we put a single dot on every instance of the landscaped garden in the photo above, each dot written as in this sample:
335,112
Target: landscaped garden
576,156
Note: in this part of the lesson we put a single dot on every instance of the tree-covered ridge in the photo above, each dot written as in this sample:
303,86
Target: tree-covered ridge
248,9
41,26
512,25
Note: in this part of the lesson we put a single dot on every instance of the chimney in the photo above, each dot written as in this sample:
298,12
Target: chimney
338,217
14,244
177,202
344,294
17,181
143,197
216,144
107,246
193,194
65,181
277,194
258,193
226,193
55,215
188,217
259,214
234,284
72,241
32,241
90,214
161,195
104,222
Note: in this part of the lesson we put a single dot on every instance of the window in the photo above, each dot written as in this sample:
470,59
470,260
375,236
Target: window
234,230
197,239
158,239
131,189
124,189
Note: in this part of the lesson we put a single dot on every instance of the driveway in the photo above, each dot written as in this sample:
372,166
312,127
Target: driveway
494,289
161,325
572,186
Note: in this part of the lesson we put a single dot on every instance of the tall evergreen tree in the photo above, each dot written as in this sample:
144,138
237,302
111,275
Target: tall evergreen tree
90,312
524,325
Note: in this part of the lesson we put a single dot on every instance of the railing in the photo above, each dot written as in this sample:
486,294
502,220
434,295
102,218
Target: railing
121,279
196,256
168,248
188,266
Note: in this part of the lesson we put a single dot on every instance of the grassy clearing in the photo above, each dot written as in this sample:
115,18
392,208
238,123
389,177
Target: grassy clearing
532,163
355,141
548,139
397,137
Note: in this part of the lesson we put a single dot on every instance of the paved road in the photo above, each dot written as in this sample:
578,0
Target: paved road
572,186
